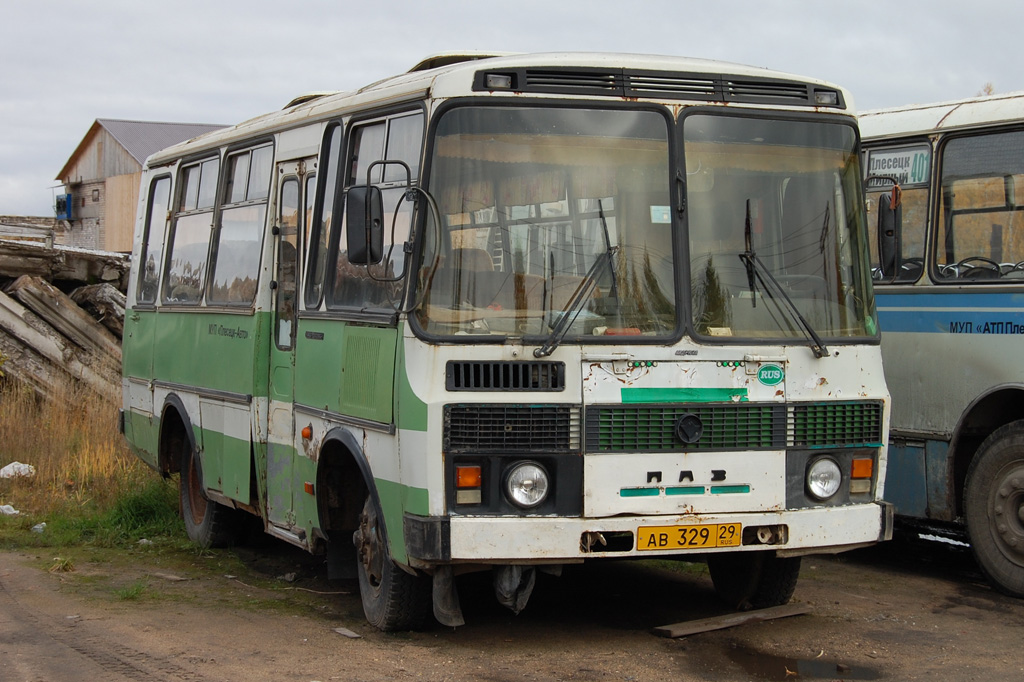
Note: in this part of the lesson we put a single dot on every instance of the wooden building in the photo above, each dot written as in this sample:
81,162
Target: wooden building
102,178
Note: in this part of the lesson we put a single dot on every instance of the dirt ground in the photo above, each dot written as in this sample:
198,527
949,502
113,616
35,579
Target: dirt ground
903,611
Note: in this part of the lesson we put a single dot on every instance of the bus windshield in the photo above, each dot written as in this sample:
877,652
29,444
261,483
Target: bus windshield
776,229
551,219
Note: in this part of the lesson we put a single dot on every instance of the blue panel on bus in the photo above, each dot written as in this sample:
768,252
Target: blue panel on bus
905,480
952,313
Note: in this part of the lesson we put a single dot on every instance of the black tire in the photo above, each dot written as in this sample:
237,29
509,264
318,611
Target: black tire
754,579
392,599
208,523
994,508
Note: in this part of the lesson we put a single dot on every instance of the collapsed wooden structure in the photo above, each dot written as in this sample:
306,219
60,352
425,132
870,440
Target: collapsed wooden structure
61,316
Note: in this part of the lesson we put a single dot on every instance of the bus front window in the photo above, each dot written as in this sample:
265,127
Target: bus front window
530,200
776,229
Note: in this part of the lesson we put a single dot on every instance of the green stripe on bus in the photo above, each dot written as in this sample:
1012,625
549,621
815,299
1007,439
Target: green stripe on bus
412,411
682,395
395,500
685,490
729,489
640,492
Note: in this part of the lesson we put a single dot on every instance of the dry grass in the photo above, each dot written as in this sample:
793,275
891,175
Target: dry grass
81,459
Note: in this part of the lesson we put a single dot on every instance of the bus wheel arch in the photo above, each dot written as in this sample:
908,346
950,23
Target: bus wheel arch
207,523
351,514
175,426
982,418
343,479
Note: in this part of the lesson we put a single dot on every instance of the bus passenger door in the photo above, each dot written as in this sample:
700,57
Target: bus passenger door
292,202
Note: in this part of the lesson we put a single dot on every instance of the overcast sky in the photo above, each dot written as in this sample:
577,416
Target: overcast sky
64,64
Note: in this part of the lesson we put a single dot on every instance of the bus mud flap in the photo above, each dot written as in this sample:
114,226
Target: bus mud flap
447,610
513,585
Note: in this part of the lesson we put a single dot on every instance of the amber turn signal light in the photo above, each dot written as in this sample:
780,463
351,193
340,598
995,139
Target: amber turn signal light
862,468
467,477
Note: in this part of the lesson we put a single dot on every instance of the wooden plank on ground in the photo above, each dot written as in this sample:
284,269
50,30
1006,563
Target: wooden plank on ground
28,335
692,627
64,315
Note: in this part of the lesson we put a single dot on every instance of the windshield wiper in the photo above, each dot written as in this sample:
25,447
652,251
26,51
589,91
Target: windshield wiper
573,308
757,269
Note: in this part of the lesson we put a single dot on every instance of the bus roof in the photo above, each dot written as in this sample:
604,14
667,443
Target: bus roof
452,74
921,119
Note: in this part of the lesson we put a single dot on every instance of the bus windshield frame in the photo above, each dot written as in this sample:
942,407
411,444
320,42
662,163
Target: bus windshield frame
776,229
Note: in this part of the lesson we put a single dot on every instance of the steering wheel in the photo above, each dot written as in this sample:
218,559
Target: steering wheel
986,268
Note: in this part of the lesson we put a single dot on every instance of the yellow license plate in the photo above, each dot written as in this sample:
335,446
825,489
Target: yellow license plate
689,537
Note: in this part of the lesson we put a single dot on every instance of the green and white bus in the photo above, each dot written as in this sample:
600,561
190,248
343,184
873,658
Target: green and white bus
516,312
948,263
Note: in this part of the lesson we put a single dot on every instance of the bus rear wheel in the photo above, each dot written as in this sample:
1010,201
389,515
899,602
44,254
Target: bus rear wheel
207,523
392,599
994,508
754,579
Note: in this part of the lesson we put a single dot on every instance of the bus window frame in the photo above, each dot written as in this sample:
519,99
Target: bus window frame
221,205
677,224
177,213
327,305
935,206
872,223
167,174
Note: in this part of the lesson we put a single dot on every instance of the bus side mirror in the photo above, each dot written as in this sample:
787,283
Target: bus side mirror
890,220
364,215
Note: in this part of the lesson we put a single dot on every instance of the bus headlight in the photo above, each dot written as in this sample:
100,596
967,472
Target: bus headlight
823,478
526,484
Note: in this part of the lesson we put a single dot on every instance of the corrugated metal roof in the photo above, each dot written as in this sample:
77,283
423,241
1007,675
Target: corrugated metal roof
143,138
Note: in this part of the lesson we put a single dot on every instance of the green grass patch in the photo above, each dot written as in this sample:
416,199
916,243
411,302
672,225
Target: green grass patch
147,513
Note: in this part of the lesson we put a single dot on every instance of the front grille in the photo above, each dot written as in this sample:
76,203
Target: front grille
504,376
651,428
837,424
659,85
734,426
511,428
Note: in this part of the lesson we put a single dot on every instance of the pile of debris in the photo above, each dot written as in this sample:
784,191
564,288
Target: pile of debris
61,315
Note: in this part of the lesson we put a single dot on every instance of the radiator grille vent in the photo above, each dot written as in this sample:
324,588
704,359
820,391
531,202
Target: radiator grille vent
511,428
661,85
505,376
837,424
734,426
651,428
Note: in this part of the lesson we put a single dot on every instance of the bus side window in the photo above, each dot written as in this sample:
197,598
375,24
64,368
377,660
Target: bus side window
153,240
396,138
239,237
980,223
287,263
189,240
321,222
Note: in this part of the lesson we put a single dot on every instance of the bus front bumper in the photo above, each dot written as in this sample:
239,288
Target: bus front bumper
502,540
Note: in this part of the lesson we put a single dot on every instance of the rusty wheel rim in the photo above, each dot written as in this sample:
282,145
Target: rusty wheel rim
370,546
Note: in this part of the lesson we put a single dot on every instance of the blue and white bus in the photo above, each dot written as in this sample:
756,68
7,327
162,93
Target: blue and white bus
948,256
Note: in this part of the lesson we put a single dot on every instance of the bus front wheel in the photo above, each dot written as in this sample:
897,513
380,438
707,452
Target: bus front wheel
392,599
207,523
753,579
994,508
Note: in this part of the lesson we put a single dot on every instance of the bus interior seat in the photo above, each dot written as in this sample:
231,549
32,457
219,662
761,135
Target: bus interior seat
476,260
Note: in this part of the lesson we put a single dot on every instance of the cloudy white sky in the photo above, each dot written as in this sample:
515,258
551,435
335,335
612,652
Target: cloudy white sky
65,63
